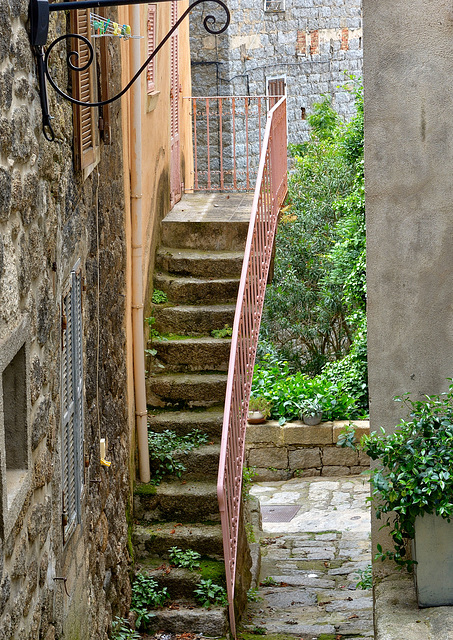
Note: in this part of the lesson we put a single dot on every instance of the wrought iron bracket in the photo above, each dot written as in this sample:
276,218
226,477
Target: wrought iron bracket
39,12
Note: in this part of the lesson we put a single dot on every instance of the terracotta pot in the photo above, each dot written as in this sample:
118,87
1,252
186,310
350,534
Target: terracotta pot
255,417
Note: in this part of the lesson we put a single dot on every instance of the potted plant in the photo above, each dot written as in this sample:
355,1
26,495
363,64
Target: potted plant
413,491
311,411
259,410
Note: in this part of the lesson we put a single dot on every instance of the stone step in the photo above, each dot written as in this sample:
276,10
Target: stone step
211,235
193,320
153,541
196,263
184,290
191,354
186,501
200,463
186,390
182,422
181,583
210,622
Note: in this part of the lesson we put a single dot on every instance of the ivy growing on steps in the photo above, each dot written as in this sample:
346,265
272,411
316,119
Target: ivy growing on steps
164,448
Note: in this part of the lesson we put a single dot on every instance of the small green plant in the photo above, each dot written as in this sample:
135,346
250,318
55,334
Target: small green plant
259,631
121,630
347,437
226,332
188,559
311,407
258,403
249,532
159,297
146,595
252,595
365,578
163,447
153,333
248,473
268,582
208,593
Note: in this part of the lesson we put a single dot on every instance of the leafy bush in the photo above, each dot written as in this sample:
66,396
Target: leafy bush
188,559
415,474
121,630
311,309
146,595
163,447
288,392
208,593
159,297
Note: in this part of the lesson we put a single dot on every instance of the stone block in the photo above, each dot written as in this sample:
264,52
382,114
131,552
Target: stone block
306,473
269,432
361,427
269,457
335,456
364,459
298,433
270,475
336,471
304,458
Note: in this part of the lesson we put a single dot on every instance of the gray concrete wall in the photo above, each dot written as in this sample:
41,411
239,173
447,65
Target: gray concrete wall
50,217
408,63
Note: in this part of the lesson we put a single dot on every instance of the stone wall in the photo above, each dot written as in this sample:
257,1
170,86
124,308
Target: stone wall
298,450
310,44
51,217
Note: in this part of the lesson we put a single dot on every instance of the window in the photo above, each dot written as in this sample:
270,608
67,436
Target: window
72,403
15,440
151,70
274,5
14,391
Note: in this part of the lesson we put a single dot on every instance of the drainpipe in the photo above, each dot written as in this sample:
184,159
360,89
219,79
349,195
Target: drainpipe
137,269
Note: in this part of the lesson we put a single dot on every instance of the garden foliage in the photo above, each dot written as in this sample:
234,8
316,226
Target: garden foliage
314,316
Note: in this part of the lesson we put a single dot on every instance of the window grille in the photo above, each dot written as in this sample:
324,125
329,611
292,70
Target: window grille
72,403
274,5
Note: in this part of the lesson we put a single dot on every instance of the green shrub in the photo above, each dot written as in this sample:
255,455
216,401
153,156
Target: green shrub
163,447
188,559
208,593
146,595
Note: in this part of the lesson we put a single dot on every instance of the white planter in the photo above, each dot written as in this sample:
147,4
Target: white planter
433,550
255,417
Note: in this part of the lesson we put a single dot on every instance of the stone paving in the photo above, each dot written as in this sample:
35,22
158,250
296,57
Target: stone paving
309,565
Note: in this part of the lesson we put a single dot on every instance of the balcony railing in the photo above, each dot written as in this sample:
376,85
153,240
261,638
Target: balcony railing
270,191
227,134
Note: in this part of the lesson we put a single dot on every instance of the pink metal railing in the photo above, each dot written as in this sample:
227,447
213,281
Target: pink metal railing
227,136
271,188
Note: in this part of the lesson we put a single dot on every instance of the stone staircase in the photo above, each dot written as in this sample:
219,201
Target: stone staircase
198,266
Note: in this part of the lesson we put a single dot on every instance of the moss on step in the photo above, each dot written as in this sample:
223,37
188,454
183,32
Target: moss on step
145,489
212,569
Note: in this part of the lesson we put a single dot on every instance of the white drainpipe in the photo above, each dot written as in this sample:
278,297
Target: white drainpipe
137,268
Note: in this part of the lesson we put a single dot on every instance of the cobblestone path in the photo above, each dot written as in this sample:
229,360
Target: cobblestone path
309,564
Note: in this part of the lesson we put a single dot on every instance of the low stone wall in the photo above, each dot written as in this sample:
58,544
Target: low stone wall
297,450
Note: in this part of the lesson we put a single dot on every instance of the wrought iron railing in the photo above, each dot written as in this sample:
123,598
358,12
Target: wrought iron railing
270,191
227,138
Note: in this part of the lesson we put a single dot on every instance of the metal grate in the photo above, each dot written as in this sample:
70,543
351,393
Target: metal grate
279,513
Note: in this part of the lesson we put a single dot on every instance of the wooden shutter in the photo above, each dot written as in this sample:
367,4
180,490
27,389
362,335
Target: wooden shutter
85,118
151,70
72,403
